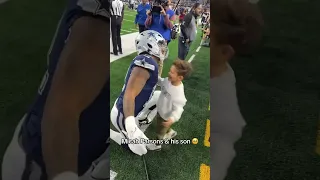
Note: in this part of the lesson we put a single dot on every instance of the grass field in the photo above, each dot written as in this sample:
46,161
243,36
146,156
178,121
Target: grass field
177,162
128,25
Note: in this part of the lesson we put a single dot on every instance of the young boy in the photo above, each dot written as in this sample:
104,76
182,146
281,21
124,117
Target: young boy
172,99
236,29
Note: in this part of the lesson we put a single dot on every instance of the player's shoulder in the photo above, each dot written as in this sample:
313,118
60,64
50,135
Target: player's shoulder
93,7
145,61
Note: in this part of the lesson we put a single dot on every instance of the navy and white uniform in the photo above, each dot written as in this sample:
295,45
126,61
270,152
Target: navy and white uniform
146,62
94,124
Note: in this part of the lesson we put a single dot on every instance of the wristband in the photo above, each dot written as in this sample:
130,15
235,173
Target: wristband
66,176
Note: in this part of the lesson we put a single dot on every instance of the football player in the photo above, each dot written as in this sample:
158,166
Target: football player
140,83
64,134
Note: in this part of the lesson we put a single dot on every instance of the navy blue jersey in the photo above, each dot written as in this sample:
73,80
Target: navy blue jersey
151,65
94,124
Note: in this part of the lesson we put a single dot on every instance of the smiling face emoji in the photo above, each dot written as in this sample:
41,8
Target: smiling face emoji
194,141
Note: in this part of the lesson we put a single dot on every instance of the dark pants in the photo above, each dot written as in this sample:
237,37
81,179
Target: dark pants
183,48
115,32
142,28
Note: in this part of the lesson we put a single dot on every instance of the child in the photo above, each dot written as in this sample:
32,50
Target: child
236,29
172,99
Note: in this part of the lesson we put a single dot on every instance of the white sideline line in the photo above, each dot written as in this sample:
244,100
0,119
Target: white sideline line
191,58
128,20
198,49
125,30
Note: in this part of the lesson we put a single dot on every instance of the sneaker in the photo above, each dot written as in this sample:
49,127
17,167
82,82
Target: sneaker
169,135
154,147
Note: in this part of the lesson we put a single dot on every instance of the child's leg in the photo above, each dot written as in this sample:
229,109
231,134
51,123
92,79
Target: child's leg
161,130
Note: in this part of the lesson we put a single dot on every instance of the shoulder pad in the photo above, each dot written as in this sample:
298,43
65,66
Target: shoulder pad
146,62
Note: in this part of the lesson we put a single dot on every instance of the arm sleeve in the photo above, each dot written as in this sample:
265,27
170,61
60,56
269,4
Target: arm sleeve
178,108
160,81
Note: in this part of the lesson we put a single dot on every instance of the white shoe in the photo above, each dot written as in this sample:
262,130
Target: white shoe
169,135
153,147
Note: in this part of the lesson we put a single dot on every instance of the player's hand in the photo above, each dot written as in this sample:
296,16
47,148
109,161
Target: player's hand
133,132
148,12
167,123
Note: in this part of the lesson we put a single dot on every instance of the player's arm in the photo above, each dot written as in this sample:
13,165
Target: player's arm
186,23
82,71
137,80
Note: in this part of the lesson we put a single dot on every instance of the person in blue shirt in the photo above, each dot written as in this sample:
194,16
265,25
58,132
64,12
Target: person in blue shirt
172,18
160,22
141,16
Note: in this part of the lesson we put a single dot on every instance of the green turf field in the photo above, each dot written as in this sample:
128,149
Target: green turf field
177,162
128,25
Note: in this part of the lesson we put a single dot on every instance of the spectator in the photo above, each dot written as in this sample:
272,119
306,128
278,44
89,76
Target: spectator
182,14
160,22
188,31
172,18
131,4
141,16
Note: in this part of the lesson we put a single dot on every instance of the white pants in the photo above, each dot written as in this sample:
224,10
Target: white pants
117,118
14,163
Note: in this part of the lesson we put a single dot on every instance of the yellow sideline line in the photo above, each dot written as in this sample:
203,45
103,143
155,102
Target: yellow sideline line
207,135
204,172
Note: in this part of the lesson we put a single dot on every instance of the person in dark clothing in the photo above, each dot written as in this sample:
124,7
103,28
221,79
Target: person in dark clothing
117,12
188,31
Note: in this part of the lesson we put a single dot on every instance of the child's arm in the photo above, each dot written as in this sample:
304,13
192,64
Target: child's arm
160,81
177,110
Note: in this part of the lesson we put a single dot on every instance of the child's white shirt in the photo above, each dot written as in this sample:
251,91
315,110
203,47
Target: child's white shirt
226,123
171,101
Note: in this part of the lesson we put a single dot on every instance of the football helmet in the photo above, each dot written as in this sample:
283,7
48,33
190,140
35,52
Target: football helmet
153,43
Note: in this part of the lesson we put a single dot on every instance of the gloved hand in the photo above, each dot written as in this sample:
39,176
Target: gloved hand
66,176
135,134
